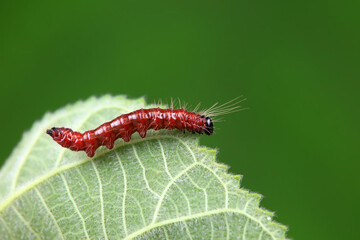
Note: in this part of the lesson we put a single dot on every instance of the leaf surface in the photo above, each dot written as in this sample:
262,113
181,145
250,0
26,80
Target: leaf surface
161,187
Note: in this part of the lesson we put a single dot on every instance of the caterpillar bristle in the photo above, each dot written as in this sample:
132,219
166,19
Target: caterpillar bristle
225,108
197,107
215,110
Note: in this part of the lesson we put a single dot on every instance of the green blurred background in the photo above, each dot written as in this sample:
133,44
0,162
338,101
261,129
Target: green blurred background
297,62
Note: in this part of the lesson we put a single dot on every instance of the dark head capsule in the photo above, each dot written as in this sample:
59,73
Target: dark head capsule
209,126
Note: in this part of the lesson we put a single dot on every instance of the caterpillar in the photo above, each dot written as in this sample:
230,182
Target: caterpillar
141,121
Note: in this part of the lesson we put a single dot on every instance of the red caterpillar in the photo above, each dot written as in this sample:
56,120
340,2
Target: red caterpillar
140,121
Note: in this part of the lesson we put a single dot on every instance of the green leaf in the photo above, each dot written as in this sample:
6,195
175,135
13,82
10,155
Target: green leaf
161,187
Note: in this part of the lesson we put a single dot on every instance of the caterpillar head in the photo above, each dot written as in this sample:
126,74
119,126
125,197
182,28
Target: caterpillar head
54,132
209,126
62,136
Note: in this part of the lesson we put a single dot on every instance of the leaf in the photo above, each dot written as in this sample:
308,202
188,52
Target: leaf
161,187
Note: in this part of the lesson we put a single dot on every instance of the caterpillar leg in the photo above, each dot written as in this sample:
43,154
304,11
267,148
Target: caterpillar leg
126,137
142,133
110,144
90,152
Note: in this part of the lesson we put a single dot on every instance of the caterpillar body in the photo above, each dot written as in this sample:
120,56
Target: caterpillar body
140,121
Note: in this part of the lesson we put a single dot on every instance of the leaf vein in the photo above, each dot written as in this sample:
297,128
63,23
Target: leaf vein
166,234
222,183
164,158
144,172
83,179
245,227
260,235
124,195
49,211
185,197
7,228
201,189
212,229
101,200
25,222
141,209
161,199
227,227
187,230
75,205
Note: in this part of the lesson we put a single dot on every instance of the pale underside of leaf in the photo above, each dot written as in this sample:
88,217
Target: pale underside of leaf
161,187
